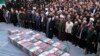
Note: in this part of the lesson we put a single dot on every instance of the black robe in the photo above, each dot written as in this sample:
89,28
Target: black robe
22,17
56,27
75,39
82,34
38,21
33,21
61,30
49,27
43,24
28,20
97,28
1,16
91,35
13,18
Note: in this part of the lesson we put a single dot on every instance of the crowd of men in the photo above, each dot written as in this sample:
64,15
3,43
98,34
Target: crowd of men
77,21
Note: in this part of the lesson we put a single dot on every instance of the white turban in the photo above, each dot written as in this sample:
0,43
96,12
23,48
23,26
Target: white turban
92,19
51,9
34,7
60,11
84,21
68,16
46,8
62,16
47,13
33,11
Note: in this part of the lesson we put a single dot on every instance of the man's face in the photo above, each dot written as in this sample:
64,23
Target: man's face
16,11
37,14
42,15
57,17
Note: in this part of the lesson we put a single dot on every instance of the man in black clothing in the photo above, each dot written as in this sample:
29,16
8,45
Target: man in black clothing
91,35
50,25
75,30
33,19
18,18
97,28
61,28
38,21
82,33
28,20
43,23
22,17
56,25
13,17
1,15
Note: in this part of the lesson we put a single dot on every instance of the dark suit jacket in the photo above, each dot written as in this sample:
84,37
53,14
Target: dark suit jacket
38,20
44,21
97,28
1,16
33,17
91,35
51,25
13,17
22,16
75,30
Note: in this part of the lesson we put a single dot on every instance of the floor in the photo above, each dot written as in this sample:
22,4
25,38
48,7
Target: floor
7,49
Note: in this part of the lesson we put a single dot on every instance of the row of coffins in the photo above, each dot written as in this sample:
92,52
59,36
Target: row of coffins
35,44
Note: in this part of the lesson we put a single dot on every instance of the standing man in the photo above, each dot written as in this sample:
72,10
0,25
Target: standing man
56,25
1,15
43,22
38,21
33,19
22,17
28,19
13,17
75,30
97,28
18,17
68,29
82,34
49,26
91,35
61,27
7,16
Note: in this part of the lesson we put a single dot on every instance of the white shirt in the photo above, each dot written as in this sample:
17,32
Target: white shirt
42,19
53,18
49,19
7,12
68,27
